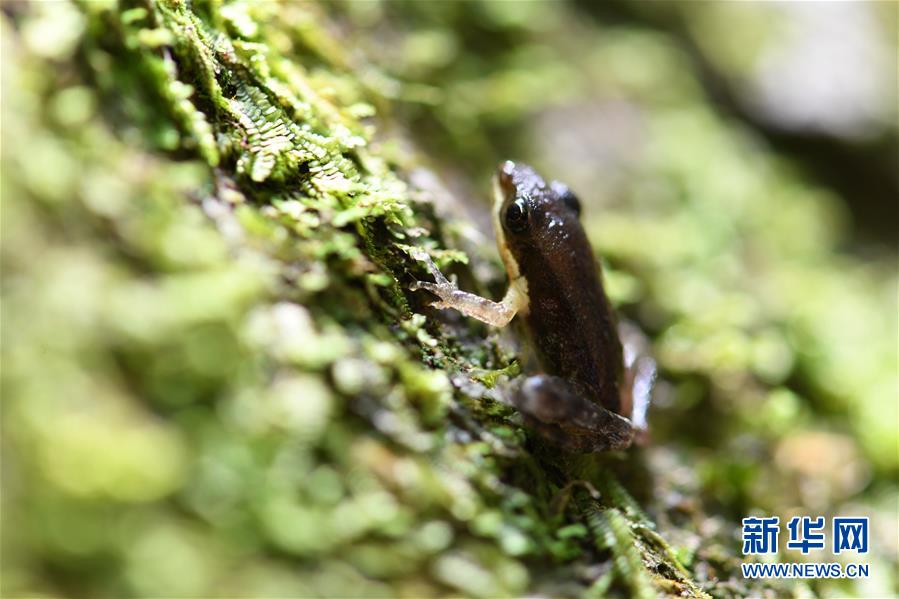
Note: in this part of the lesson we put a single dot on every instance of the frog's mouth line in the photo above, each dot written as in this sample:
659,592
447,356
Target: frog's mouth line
499,199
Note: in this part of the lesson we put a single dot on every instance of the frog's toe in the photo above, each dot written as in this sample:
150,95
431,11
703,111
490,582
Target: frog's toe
419,285
422,256
441,291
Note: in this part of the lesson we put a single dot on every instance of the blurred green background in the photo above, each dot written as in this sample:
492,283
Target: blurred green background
216,383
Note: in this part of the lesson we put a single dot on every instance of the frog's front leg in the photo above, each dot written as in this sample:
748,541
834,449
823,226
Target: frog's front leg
493,313
560,411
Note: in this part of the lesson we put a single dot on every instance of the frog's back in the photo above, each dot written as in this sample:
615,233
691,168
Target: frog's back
569,318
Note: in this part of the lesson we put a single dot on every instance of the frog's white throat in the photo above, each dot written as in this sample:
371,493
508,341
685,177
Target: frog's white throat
517,295
505,253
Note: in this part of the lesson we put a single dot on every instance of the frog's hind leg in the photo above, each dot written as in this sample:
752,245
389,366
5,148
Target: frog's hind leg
560,412
639,376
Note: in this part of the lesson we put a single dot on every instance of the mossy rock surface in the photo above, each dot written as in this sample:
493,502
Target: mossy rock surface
217,381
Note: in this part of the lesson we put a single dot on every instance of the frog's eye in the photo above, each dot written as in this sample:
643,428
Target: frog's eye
566,196
517,216
572,201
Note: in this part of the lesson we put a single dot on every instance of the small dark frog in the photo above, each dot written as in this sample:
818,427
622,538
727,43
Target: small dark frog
593,392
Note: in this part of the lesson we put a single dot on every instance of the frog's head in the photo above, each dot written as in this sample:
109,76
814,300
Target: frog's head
531,216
